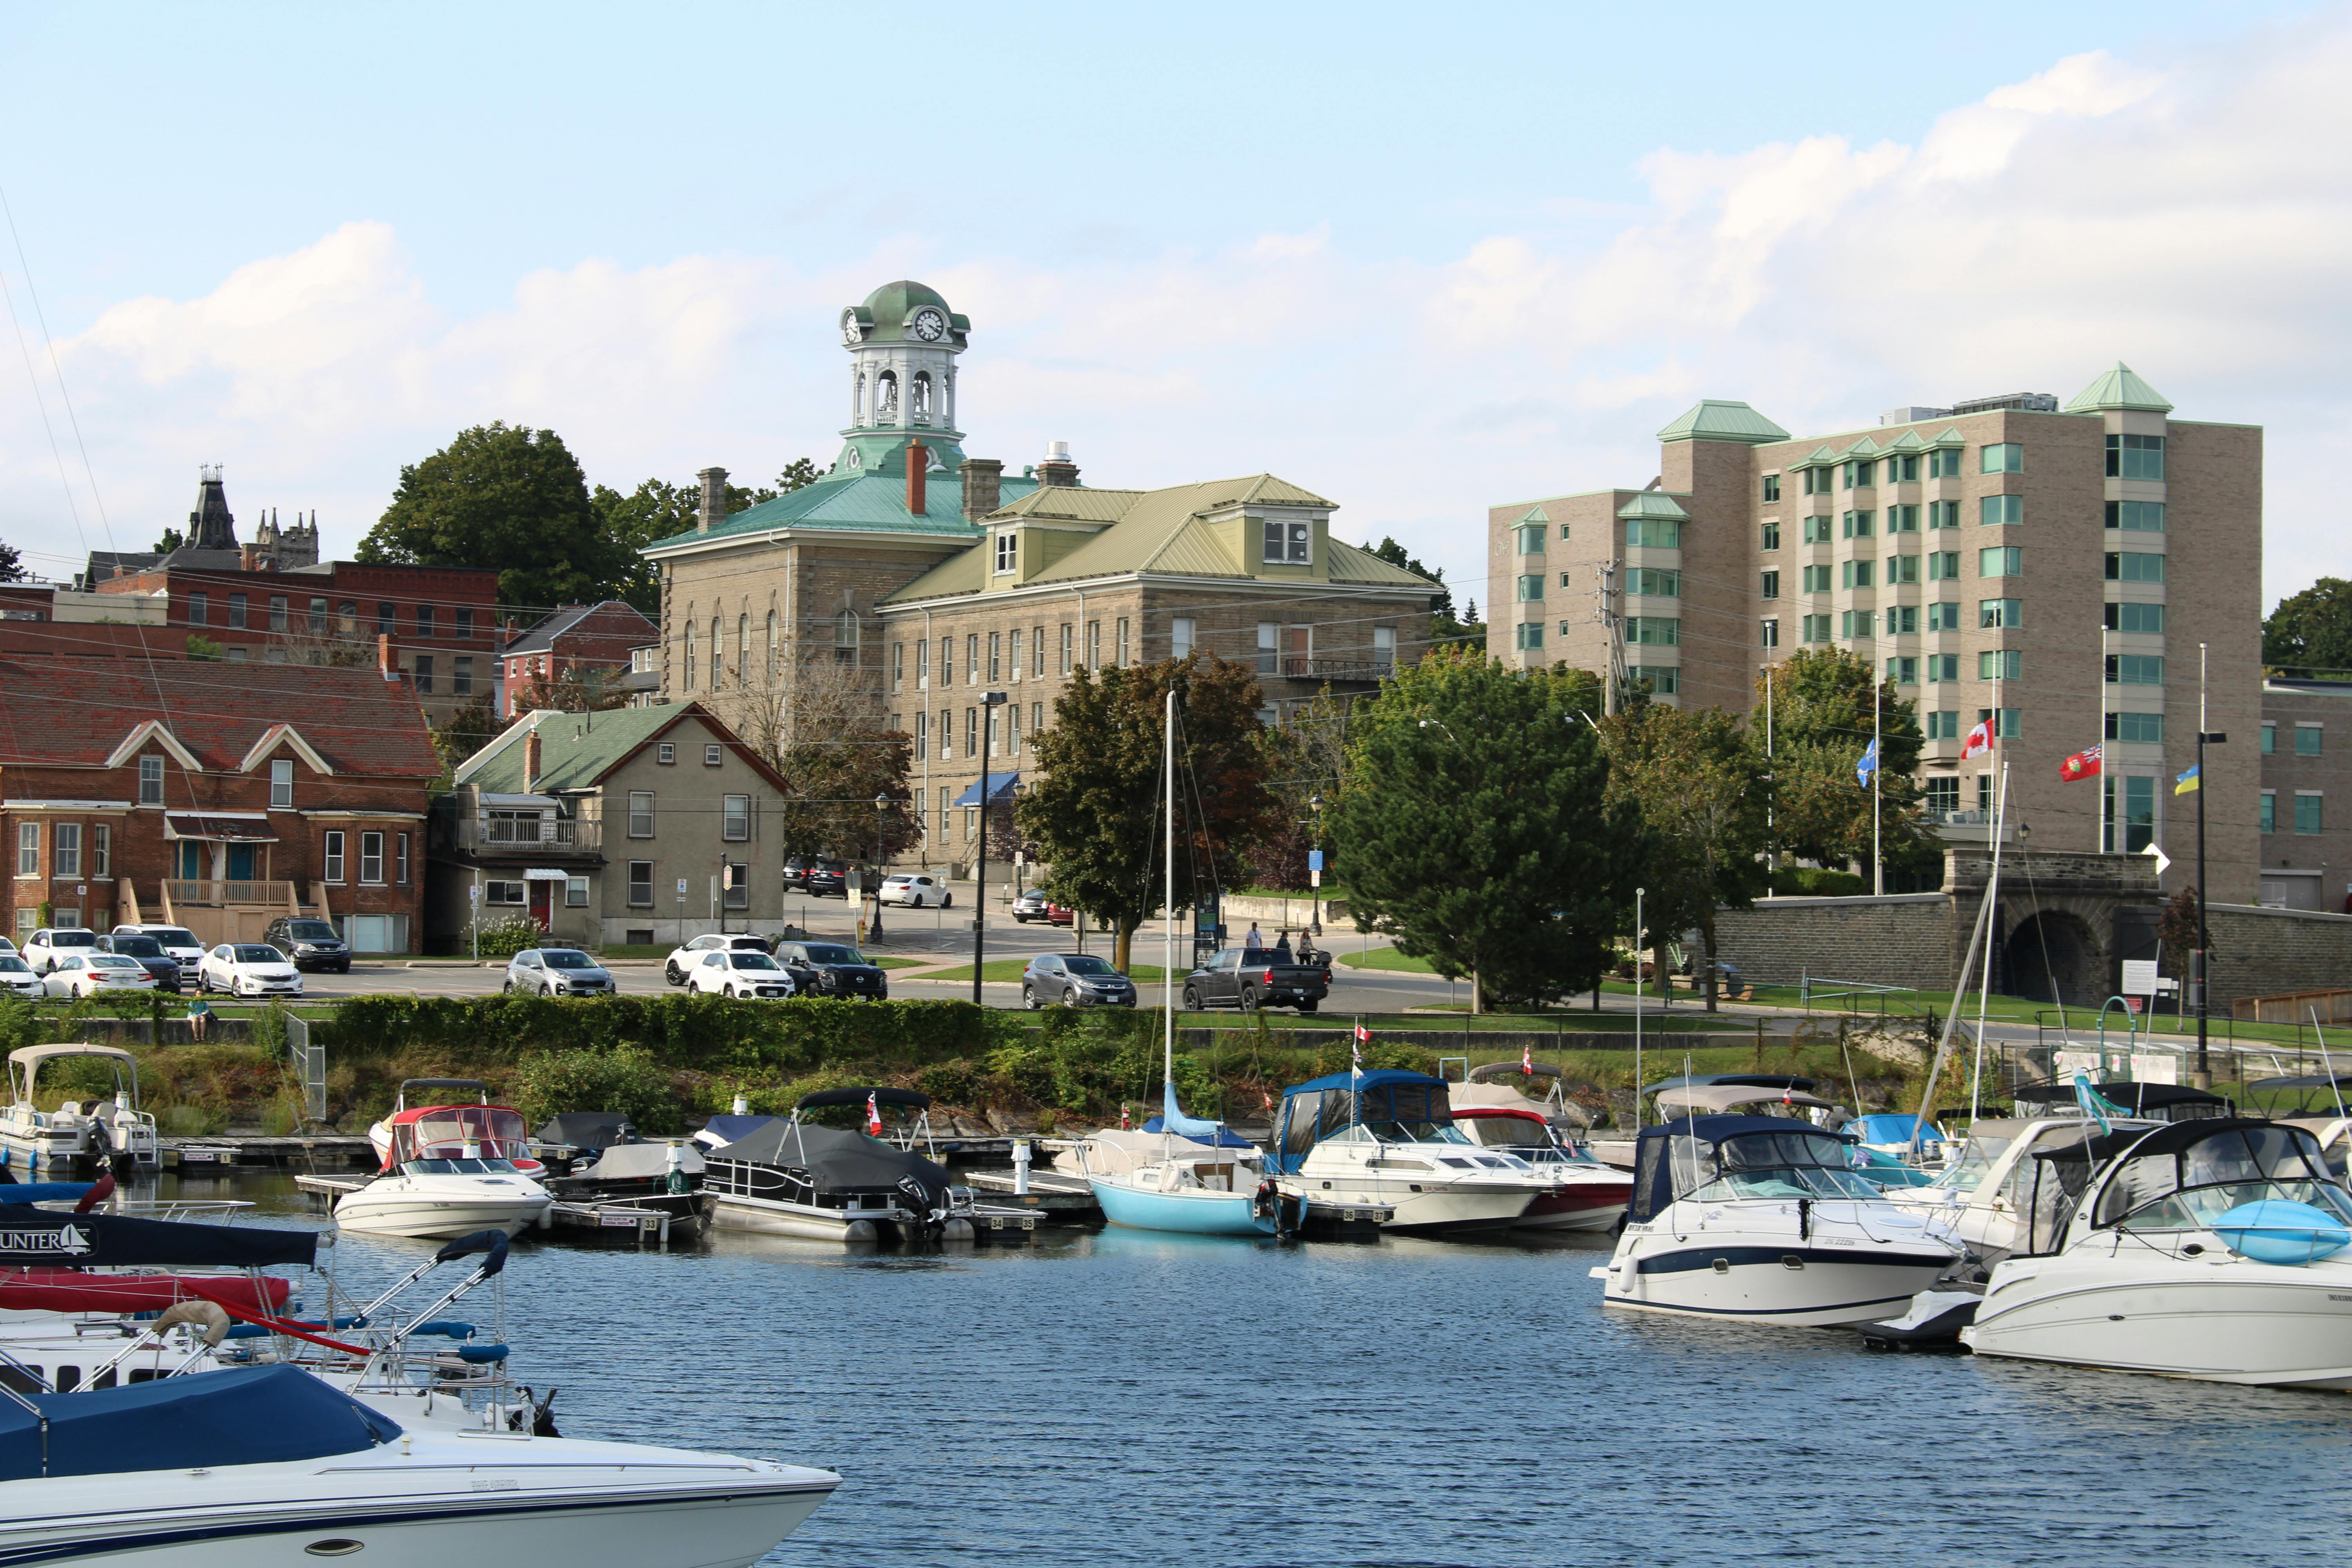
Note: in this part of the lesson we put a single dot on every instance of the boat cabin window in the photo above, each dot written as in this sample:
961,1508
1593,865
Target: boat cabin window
437,1168
1763,1165
1511,1132
2185,1189
1974,1163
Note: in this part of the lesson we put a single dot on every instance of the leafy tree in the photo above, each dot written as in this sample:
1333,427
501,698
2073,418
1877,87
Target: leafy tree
12,564
572,690
1305,760
1094,815
466,732
1478,826
1441,604
170,541
506,497
1699,789
2312,629
658,509
203,650
1820,726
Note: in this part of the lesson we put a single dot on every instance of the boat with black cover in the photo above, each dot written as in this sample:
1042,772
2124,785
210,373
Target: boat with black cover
798,1178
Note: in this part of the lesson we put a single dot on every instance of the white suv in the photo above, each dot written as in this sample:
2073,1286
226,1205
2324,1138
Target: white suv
44,948
683,959
739,972
178,941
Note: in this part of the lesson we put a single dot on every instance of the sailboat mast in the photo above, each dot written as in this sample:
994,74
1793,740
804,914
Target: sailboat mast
1167,961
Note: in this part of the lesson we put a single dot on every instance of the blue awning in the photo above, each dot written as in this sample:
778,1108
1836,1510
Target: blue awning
1000,787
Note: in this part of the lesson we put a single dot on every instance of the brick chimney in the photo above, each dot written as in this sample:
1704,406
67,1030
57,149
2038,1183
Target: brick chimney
984,486
531,758
713,508
385,664
1057,469
248,558
919,463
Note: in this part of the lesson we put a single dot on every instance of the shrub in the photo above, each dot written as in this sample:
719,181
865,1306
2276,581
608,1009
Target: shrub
1817,882
505,938
627,1081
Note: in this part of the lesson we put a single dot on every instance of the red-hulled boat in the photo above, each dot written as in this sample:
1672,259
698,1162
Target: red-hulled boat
1586,1194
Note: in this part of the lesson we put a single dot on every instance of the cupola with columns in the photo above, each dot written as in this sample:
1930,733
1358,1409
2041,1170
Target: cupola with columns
902,345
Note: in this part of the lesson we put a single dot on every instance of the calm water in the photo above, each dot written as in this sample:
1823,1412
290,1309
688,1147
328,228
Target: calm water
1116,1397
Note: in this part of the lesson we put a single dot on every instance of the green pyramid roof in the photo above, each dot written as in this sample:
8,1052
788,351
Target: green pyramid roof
1719,419
1651,503
2118,388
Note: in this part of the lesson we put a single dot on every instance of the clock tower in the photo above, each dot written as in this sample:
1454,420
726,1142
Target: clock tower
902,345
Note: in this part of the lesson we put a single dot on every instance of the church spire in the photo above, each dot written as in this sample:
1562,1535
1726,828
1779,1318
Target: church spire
210,526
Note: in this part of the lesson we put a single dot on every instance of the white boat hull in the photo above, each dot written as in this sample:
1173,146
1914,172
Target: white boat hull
381,1208
765,1216
1467,1208
1765,1260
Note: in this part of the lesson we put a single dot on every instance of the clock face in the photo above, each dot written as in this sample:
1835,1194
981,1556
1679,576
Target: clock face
849,332
930,325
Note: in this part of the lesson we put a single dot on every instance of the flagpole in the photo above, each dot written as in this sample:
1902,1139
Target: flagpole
2204,944
2099,843
1878,767
1640,994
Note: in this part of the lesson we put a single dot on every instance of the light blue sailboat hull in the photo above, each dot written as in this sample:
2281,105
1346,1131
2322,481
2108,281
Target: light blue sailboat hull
1192,1213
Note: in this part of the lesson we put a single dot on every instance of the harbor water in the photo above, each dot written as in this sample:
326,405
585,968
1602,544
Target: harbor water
1122,1398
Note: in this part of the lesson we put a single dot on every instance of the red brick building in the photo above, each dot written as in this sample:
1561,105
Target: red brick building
214,796
587,642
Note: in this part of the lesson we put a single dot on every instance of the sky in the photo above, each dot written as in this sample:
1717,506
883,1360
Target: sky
1420,260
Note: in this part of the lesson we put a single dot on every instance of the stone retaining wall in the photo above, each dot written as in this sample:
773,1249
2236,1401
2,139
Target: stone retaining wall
1901,938
2265,952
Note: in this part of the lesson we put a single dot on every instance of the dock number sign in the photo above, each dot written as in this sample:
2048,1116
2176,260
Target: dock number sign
2139,977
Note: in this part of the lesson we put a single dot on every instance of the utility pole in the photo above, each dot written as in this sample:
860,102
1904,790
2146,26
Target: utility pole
1772,789
1613,625
989,703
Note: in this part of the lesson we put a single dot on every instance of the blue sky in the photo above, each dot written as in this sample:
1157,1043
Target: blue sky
1420,262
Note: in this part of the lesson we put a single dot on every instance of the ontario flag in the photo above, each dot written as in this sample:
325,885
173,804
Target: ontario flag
873,1117
2084,765
1979,743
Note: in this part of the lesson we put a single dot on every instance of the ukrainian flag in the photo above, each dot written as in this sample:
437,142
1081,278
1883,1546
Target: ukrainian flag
2186,783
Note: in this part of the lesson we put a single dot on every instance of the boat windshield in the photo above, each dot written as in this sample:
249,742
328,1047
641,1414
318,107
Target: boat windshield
1765,1165
1974,1163
1510,1132
459,1167
2187,1189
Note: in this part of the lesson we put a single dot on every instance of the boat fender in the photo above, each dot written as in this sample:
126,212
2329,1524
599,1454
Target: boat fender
1804,1219
956,1229
213,1320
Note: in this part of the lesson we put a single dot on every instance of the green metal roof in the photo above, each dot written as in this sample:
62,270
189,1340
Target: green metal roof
2118,388
863,501
1910,441
1951,436
1535,514
1865,447
1651,503
1819,458
1720,419
575,750
888,309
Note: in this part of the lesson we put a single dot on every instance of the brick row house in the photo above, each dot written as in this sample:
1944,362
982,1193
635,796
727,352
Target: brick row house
594,644
186,792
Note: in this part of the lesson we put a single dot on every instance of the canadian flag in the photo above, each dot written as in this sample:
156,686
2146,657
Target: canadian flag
2082,764
873,1117
1527,1060
1979,743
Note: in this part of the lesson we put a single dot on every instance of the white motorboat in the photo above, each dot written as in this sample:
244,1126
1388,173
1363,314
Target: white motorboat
449,1170
76,1137
269,1465
1717,1094
828,1183
2214,1248
1386,1140
489,1132
1586,1194
1762,1219
1976,1199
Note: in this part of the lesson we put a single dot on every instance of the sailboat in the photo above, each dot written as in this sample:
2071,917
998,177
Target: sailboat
1199,1182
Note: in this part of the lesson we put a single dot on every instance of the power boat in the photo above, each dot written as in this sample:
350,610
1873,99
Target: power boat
500,1131
1979,1196
2213,1248
1763,1219
1900,1136
1757,1094
450,1170
266,1464
1386,1139
1586,1194
76,1138
2141,1101
799,1178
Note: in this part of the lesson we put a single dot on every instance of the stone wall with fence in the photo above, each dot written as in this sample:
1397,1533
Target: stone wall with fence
1900,939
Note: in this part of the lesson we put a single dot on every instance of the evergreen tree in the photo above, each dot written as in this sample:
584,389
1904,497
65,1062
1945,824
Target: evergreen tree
2312,629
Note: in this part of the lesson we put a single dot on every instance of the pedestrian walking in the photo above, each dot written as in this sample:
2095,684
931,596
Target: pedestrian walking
1282,948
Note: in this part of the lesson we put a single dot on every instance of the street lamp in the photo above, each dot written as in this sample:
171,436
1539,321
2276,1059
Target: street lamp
1641,993
1314,805
989,703
874,930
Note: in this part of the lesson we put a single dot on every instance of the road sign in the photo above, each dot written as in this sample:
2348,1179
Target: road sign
681,889
1315,876
2132,1004
473,893
727,877
2163,861
2139,977
1315,860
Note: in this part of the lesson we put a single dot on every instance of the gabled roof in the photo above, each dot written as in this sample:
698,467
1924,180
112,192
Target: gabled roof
352,720
1949,436
2120,387
1721,420
1910,441
1535,514
1653,504
1819,458
1865,447
855,500
578,750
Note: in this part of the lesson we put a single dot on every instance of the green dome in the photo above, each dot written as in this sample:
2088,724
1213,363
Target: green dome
888,312
891,301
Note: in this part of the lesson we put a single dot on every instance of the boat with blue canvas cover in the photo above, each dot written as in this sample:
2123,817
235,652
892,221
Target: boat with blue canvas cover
1385,1139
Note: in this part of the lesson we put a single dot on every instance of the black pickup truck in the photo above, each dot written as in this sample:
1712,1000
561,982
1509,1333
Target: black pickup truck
1253,979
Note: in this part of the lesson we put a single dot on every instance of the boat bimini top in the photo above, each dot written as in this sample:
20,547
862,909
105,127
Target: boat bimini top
2156,1102
26,1060
2184,1175
1394,1105
1724,1157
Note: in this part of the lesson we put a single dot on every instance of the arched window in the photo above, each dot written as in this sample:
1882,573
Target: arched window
885,397
857,399
688,686
347,617
743,651
718,656
845,639
772,646
920,397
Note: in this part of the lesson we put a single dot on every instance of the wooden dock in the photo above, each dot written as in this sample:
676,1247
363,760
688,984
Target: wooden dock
317,1151
1065,1199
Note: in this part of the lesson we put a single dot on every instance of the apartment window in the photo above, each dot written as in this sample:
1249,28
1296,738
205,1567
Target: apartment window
844,643
640,884
2004,457
775,644
1984,794
971,732
2270,811
1944,566
1094,644
424,620
1062,656
1943,514
2136,458
1815,579
421,667
386,618
151,781
1530,636
2270,738
1383,649
347,619
1563,532
1854,573
461,675
1942,724
2000,613
1655,581
2134,566
641,814
742,650
2306,740
2002,561
1817,482
1902,569
2135,618
2135,670
947,733
1854,624
1943,463
400,858
1012,729
1857,524
2001,511
1121,645
236,610
1943,617
196,610
1771,631
1180,637
923,665
281,784
1771,536
1663,679
2135,813
690,655
1016,659
2000,664
334,855
735,818
319,616
1903,519
2307,811
28,849
1289,543
713,754
666,753
1857,476
1530,538
1771,487
946,661
1771,586
1653,631
67,845
371,857
2137,516
2005,723
1903,620
1902,671
1817,628
1904,468
1530,588
1817,530
1008,551
575,892
1654,532
996,655
897,666
2136,729
922,734
277,612
101,849
1036,718
1943,794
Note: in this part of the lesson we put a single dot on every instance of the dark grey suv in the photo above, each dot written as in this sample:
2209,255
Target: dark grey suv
1074,980
310,944
151,957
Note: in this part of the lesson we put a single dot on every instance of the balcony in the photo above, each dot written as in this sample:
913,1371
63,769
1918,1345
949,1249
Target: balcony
525,837
1326,671
208,893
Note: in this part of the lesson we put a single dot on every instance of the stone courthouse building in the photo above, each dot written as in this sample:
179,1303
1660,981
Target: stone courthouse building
911,579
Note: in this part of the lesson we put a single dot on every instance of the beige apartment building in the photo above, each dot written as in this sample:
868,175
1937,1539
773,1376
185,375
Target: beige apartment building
2050,571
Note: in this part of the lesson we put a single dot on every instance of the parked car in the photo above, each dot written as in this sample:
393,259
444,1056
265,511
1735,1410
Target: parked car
829,968
682,959
796,872
82,975
9,949
248,969
178,941
919,890
739,972
557,972
1253,979
1075,980
310,944
1032,905
17,977
44,948
826,880
151,957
